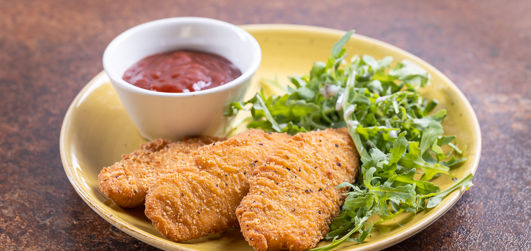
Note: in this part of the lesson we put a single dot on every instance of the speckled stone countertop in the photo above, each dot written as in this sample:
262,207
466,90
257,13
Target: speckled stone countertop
50,49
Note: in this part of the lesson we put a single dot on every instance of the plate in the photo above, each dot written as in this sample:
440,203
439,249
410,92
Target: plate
96,130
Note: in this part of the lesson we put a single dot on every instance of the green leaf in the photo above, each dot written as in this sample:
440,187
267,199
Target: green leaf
260,109
337,50
452,163
410,72
445,140
233,108
436,198
429,135
297,81
399,148
305,92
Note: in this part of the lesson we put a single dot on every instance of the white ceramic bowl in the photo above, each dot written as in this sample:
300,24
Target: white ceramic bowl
175,115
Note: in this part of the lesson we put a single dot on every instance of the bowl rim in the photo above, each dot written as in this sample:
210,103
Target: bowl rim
246,75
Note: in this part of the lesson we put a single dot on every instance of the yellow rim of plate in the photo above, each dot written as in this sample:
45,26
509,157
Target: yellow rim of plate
167,244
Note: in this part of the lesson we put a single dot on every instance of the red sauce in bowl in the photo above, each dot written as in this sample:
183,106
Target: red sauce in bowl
181,71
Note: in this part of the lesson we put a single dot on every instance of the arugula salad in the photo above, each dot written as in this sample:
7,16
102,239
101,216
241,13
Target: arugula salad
397,133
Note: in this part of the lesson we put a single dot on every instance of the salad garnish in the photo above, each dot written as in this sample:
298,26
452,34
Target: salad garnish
397,132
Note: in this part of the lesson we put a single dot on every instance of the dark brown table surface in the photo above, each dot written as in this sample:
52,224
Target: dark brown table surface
50,49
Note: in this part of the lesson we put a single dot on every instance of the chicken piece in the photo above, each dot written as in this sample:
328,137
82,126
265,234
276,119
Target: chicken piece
293,197
198,202
126,182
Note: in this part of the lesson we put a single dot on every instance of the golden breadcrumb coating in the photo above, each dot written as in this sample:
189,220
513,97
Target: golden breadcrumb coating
293,197
126,182
197,202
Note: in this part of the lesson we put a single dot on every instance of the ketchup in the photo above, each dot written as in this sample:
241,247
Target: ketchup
181,71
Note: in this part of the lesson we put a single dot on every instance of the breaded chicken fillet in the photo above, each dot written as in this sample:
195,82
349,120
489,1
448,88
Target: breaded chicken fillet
293,196
197,202
126,182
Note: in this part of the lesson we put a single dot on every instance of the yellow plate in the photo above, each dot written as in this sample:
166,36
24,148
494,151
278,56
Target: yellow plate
96,131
